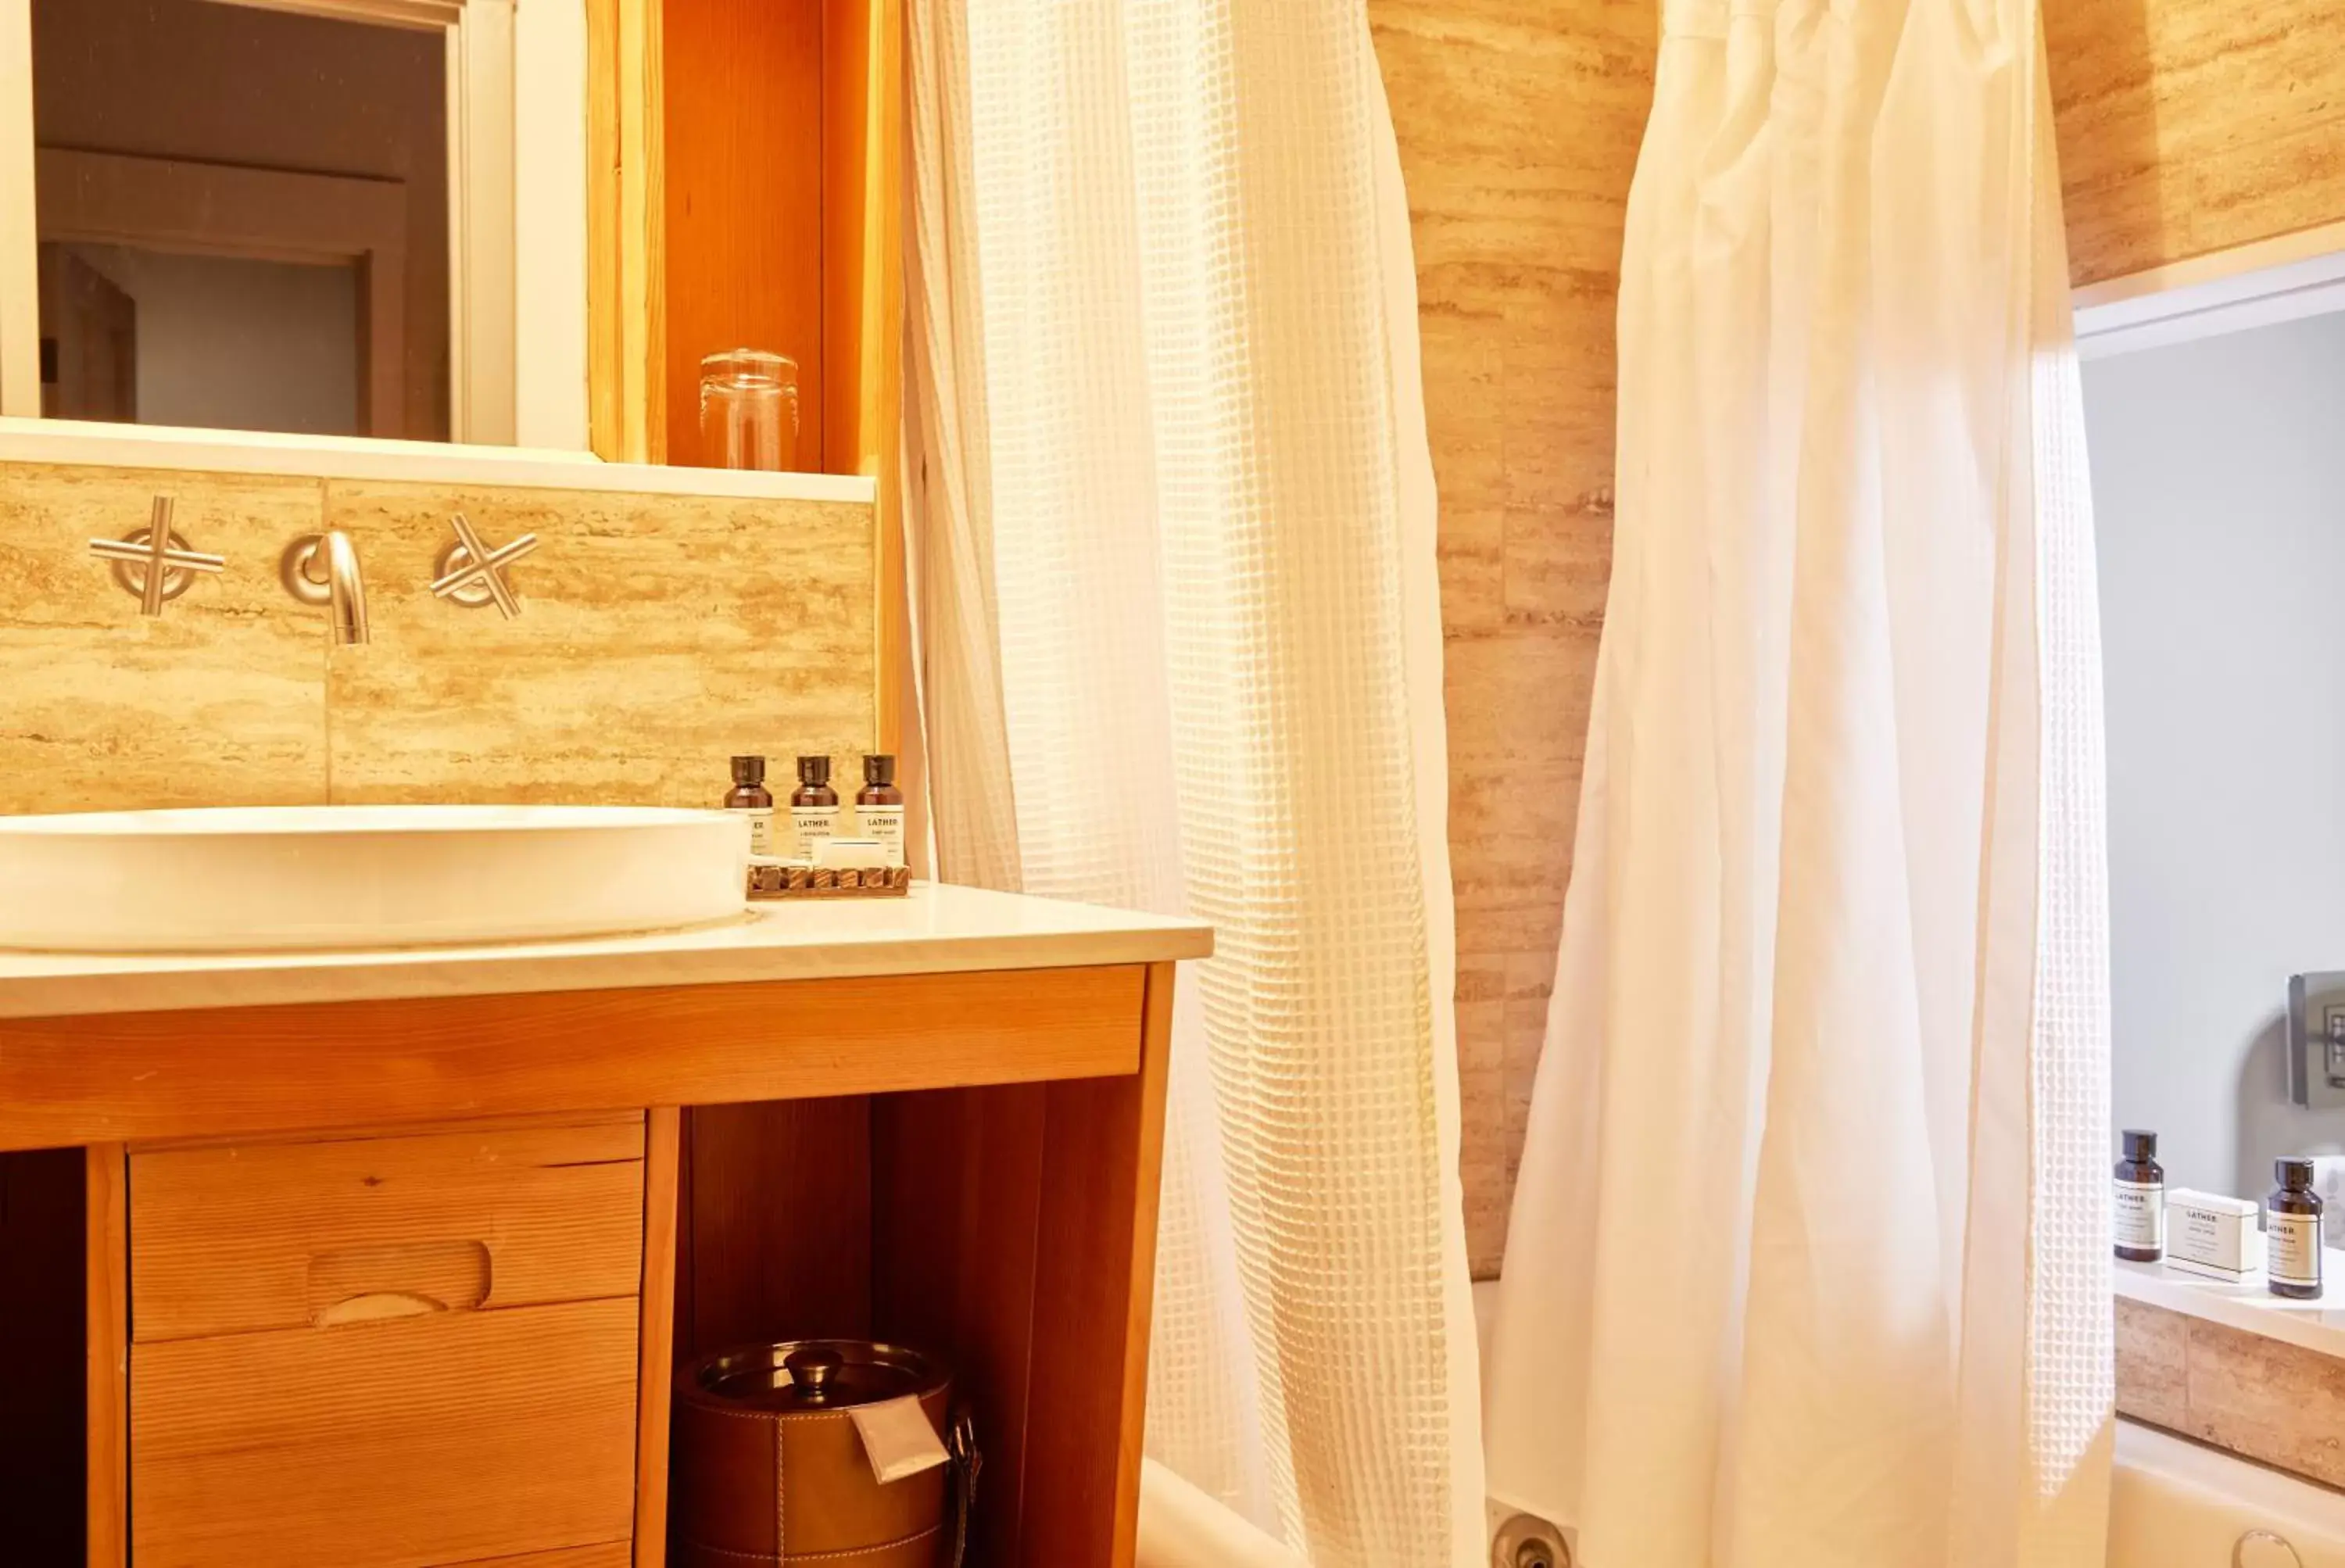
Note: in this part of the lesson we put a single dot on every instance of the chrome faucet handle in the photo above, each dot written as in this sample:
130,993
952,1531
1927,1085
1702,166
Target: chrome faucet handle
155,563
472,575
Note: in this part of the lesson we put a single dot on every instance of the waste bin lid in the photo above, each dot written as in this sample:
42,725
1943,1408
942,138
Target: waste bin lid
815,1375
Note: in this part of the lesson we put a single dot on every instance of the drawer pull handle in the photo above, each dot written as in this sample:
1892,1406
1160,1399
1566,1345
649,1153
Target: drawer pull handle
365,1284
377,1305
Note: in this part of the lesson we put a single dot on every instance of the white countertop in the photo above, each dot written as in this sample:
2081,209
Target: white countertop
935,929
2245,1306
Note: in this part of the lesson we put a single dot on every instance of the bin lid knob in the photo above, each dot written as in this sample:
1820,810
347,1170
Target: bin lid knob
812,1368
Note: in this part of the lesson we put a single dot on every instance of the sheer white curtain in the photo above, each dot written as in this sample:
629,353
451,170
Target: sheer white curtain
1808,1262
1172,536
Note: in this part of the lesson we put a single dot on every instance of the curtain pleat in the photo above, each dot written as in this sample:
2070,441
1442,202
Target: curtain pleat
1808,1262
1184,535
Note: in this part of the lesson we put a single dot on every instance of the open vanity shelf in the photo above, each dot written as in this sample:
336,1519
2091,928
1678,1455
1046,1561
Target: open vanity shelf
389,1260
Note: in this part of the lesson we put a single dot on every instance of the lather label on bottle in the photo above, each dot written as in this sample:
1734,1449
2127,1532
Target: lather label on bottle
809,825
2141,1214
885,824
2292,1247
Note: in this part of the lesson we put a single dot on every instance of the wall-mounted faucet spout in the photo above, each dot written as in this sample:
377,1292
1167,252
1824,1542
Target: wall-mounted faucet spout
324,569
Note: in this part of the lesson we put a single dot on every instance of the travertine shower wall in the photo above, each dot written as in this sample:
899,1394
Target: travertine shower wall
2185,126
1518,123
2189,126
660,634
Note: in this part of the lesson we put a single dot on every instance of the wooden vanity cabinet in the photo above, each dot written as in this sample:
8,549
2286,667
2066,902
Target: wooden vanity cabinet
386,1284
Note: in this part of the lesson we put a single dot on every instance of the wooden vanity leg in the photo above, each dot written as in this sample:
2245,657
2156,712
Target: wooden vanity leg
1095,1284
106,1303
661,1146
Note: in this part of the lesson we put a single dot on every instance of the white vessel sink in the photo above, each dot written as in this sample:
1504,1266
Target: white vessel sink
258,879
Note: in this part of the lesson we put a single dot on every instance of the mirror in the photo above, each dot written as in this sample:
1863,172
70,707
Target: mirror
303,216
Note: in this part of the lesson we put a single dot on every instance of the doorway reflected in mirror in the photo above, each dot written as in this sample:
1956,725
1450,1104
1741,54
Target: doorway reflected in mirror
167,337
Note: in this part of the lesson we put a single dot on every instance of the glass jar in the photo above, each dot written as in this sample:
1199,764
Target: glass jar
749,410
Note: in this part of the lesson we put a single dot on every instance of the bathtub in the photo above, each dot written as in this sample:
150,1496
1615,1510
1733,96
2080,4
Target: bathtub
2172,1505
2176,1505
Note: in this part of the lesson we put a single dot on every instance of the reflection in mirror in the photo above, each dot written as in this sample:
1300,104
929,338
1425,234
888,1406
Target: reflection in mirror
243,217
297,215
162,337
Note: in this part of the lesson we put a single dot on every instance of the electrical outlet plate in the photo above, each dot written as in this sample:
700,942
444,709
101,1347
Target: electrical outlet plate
2316,1039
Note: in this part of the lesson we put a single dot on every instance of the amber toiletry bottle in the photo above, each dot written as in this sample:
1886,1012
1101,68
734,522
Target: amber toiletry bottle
2140,1199
814,807
749,794
2293,1232
879,807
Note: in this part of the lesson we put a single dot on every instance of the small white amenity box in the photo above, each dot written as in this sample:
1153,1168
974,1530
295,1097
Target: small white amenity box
2209,1234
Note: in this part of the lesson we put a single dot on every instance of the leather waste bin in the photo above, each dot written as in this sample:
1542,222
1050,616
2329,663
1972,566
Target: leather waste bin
769,1468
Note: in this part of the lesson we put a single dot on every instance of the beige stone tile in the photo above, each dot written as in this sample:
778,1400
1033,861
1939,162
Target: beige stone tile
1519,124
1558,569
2194,125
1526,1039
1481,1037
1530,976
658,636
2152,1354
1508,931
2272,185
218,701
1510,828
1473,86
1465,364
1520,699
1486,1229
1485,1089
1481,978
2273,1401
1473,563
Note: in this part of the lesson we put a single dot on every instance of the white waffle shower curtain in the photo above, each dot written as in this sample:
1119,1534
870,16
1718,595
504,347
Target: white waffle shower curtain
1808,1265
1171,538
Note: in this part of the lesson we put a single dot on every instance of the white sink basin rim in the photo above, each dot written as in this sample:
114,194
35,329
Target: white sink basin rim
272,879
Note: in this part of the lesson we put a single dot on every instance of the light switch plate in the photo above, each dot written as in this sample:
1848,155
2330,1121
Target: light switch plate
2316,1039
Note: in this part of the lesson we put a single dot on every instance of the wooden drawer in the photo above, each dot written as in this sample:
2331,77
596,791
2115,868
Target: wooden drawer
387,1352
610,1554
234,1238
446,1439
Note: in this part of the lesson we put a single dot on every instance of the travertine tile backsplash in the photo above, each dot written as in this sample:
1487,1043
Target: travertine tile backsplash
222,699
660,634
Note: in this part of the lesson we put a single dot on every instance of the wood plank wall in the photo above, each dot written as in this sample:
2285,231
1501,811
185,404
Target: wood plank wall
744,108
772,148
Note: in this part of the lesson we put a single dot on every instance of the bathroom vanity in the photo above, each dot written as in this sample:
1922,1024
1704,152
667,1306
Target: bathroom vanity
385,1258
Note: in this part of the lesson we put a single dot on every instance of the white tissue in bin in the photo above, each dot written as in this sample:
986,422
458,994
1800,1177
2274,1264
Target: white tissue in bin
849,854
899,1438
